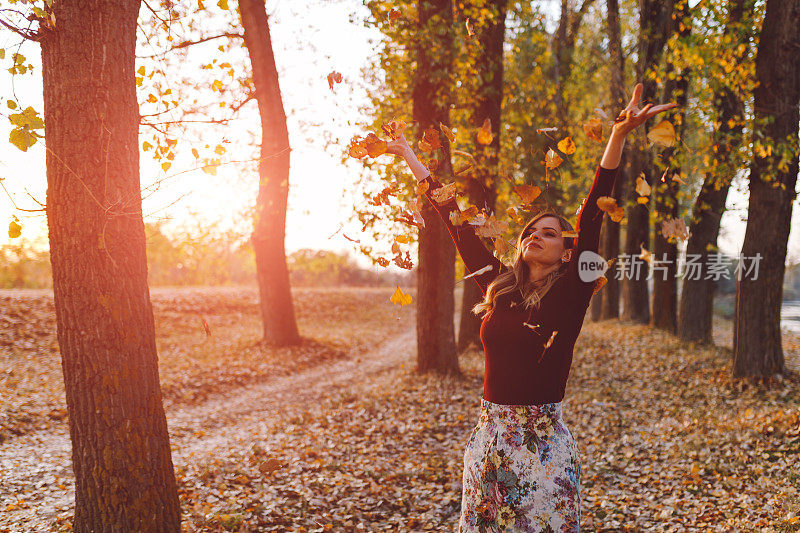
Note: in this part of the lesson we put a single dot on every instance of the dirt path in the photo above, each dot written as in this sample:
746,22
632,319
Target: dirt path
36,481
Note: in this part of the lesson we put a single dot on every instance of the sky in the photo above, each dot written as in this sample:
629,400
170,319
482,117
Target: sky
308,45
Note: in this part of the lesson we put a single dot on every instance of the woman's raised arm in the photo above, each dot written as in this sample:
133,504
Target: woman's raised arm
469,245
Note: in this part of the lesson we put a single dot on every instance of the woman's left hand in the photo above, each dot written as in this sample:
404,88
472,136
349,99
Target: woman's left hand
632,117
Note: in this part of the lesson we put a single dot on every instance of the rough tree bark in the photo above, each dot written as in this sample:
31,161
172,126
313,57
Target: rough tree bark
488,100
697,293
563,45
124,478
269,228
665,193
431,95
654,20
605,304
757,350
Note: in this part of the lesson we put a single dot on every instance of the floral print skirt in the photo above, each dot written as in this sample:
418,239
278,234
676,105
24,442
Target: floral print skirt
521,472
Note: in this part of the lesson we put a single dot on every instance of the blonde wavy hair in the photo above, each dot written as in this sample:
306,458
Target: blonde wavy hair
518,276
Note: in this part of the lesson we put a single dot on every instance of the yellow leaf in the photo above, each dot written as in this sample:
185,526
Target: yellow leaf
400,298
444,194
223,4
642,187
14,229
662,134
567,146
141,71
642,199
146,146
424,146
166,166
485,133
527,193
551,159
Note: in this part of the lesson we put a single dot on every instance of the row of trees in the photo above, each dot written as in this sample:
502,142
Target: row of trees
727,63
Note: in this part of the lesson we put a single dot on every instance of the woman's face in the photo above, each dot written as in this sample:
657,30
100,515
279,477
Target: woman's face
542,244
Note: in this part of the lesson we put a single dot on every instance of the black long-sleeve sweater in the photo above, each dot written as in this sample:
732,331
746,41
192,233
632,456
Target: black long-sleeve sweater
518,368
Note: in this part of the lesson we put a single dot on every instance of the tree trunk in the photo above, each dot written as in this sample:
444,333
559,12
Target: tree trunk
757,350
665,193
607,300
431,96
488,98
269,227
654,20
697,293
563,46
121,457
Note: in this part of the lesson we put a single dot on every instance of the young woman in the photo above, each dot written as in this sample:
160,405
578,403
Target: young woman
521,465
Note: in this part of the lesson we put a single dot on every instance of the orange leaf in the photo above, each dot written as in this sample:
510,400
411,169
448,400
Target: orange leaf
334,77
527,193
485,135
447,132
566,145
594,129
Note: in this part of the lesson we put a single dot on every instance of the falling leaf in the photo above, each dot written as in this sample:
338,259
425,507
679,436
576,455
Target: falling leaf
500,246
550,340
375,146
357,147
424,146
431,136
444,194
594,129
393,15
402,239
485,135
483,270
675,227
455,218
447,132
394,128
491,227
465,154
14,228
205,326
642,200
567,146
514,213
400,298
645,255
334,77
422,187
527,193
609,205
567,234
383,261
551,159
642,187
599,283
662,134
470,29
463,168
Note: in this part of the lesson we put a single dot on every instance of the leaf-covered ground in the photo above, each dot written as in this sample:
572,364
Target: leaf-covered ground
668,442
192,365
